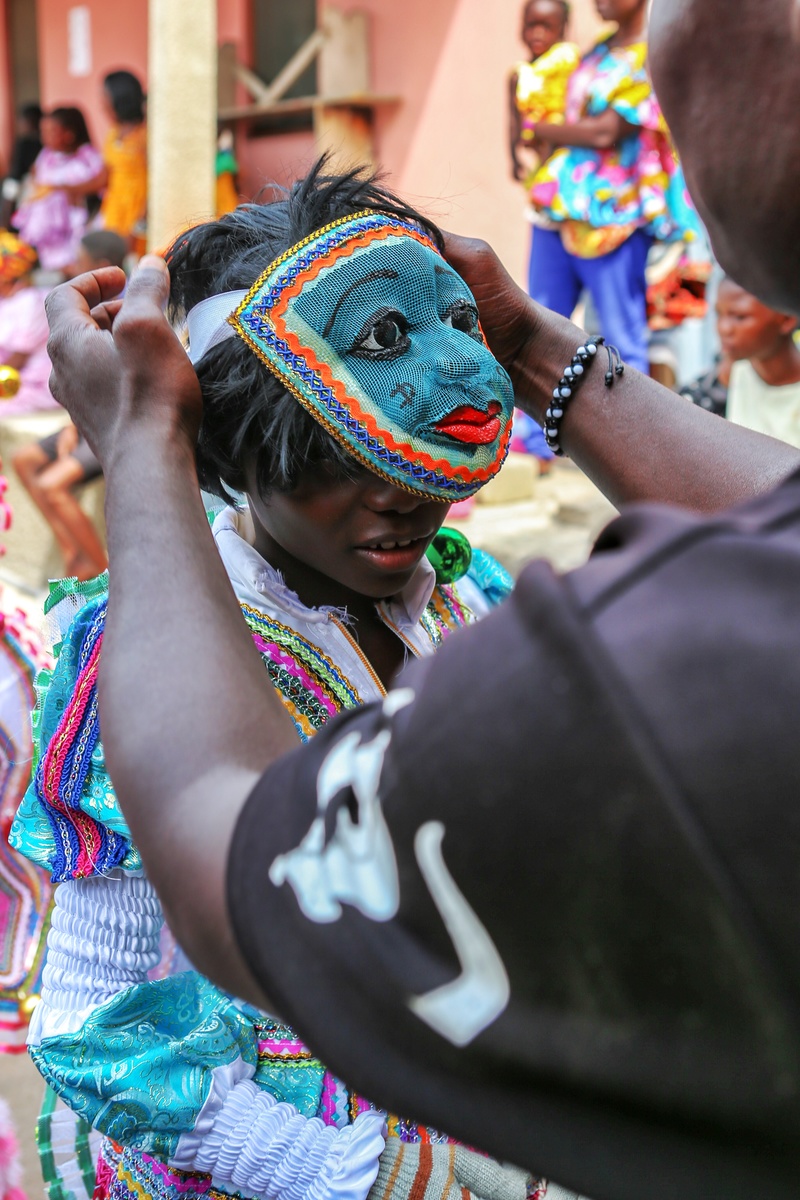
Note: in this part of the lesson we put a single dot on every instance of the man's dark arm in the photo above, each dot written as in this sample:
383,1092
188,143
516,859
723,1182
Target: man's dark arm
637,440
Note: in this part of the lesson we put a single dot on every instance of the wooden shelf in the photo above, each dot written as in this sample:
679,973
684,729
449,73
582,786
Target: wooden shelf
306,104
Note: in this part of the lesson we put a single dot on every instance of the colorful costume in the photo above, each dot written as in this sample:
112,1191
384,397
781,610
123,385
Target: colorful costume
25,890
542,86
125,201
211,1062
602,208
193,1089
48,220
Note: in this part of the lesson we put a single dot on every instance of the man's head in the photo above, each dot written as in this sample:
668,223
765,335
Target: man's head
100,248
728,78
747,328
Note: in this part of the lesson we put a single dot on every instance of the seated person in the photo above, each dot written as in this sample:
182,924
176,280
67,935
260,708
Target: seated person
325,330
710,390
764,387
51,469
23,329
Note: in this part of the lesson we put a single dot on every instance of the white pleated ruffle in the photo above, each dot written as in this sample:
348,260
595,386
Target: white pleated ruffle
260,1147
104,938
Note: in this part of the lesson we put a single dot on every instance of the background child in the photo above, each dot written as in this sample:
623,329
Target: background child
23,329
764,388
66,171
24,153
538,87
124,204
52,469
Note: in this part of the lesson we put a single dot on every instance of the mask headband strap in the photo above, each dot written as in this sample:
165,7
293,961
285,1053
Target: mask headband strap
207,323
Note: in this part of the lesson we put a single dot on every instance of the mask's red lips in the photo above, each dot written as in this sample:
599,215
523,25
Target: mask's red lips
467,424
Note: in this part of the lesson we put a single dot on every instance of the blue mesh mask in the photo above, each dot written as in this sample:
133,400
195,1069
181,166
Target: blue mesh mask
378,338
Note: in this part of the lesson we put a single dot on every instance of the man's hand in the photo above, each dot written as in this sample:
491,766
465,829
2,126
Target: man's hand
117,365
519,331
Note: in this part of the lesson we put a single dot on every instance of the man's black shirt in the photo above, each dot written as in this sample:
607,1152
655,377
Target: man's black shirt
582,815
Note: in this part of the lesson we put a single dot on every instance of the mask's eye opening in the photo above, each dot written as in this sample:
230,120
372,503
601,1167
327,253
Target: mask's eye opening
463,316
383,336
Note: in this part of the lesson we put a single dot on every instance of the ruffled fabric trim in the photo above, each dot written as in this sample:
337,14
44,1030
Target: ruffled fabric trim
104,938
260,1147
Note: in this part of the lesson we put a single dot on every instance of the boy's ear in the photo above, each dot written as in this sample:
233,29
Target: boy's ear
788,325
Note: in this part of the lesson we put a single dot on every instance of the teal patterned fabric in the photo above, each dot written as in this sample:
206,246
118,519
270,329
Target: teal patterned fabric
140,1068
31,833
492,578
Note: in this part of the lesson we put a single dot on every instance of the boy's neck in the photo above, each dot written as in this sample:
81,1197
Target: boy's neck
780,368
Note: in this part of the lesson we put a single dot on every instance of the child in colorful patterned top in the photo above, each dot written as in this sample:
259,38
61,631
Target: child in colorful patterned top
538,86
328,560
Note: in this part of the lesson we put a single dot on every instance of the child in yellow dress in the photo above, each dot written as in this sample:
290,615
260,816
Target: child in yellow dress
124,204
538,87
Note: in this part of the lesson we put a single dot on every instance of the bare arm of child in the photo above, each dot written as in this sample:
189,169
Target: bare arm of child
595,133
90,187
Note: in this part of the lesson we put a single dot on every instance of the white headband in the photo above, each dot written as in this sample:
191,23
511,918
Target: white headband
207,323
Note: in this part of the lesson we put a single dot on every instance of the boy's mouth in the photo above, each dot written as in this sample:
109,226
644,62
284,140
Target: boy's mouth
468,424
393,554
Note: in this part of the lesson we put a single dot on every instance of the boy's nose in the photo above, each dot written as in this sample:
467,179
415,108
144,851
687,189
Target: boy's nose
383,496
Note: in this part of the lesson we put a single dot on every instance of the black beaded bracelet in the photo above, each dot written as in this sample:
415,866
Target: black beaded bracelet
571,380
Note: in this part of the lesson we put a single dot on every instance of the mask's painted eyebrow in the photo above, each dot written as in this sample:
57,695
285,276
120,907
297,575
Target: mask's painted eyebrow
448,271
386,273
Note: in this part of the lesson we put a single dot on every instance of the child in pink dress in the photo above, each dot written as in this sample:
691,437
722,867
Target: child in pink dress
23,329
66,171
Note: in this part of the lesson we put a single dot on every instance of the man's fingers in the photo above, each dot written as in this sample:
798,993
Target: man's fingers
70,304
104,315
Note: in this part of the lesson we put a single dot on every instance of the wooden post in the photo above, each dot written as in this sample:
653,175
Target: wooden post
345,132
182,116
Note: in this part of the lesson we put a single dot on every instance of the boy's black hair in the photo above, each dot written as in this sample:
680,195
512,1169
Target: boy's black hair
245,408
72,119
126,95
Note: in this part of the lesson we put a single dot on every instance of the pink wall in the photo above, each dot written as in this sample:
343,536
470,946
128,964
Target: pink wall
119,40
445,148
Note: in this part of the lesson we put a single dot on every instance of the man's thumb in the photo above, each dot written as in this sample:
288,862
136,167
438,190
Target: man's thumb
149,284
